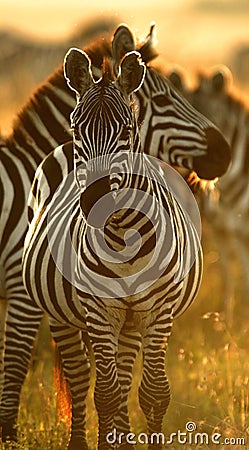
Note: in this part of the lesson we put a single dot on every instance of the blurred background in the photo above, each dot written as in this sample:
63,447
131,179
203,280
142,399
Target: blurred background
191,33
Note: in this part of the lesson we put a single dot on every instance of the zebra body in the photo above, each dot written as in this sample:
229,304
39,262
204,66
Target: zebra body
42,125
55,199
83,275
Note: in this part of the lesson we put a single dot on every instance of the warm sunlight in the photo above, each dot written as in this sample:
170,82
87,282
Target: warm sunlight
190,33
115,287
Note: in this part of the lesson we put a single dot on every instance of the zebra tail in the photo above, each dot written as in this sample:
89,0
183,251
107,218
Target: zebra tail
63,397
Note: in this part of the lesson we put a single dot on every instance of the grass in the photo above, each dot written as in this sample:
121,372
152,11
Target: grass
207,366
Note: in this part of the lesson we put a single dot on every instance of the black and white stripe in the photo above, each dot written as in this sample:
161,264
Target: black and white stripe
42,125
88,274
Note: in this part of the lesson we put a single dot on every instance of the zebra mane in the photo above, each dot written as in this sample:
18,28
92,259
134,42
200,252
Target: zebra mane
102,47
107,71
37,99
99,50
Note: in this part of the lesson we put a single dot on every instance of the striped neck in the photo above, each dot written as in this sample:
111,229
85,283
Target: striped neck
43,122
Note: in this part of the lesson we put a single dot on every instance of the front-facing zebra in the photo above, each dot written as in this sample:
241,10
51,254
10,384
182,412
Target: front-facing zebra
108,242
170,129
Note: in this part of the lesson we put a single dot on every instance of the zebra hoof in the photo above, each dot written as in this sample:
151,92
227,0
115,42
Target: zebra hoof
9,432
77,443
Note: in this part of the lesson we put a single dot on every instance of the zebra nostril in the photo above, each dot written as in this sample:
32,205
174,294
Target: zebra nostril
217,159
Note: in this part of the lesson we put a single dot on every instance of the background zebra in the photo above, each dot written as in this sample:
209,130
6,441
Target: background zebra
19,52
172,130
227,208
76,282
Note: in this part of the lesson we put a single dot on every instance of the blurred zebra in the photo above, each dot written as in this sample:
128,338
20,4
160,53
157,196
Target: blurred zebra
228,212
19,52
170,130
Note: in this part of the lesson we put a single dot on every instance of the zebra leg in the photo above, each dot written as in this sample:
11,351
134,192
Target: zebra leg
3,314
154,391
107,395
76,369
23,321
128,347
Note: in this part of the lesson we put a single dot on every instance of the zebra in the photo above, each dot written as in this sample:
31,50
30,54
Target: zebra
95,286
228,212
42,125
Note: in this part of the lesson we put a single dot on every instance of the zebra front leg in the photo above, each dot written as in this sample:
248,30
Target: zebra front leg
107,395
128,347
22,324
154,391
76,369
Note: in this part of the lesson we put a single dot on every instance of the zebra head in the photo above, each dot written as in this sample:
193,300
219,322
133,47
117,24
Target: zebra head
104,127
178,133
171,129
212,97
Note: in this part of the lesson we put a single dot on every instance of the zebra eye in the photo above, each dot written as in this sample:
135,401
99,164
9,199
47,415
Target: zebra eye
161,100
76,133
125,133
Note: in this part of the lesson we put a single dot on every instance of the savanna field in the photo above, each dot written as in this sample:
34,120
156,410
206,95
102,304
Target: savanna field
207,363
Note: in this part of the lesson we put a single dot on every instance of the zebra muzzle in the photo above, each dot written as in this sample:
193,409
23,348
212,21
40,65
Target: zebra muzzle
97,203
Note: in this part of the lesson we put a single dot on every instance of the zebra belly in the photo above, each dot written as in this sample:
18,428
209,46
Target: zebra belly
64,285
67,300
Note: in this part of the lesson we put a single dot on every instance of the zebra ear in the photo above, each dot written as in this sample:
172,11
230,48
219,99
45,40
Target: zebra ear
147,48
221,79
131,73
77,70
122,43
